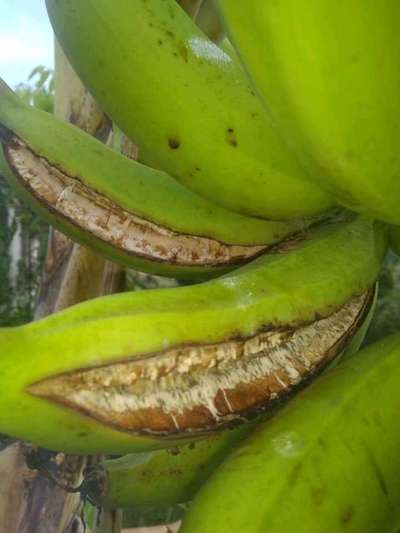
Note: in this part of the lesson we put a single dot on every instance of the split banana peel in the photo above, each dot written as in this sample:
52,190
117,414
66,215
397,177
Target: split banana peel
130,213
327,463
147,370
329,76
173,476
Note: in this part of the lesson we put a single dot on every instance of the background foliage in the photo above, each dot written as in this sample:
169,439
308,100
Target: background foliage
23,235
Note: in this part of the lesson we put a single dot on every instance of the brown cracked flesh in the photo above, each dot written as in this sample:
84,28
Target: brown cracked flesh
96,214
200,388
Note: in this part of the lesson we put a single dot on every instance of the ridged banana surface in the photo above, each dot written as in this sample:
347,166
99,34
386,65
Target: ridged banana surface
189,107
329,73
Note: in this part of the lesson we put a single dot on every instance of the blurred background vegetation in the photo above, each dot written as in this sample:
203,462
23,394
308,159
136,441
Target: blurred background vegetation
23,236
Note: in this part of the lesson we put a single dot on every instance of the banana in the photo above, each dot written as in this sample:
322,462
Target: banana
329,74
130,213
164,478
146,370
185,103
328,462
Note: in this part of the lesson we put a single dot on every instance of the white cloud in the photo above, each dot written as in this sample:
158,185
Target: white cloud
26,43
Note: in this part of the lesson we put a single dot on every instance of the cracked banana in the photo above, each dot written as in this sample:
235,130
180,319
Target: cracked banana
151,369
128,212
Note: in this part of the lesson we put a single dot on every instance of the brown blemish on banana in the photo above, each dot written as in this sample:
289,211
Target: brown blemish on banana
173,143
199,388
94,213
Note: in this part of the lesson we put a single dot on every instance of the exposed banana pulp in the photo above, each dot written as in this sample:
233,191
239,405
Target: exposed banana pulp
198,388
140,370
102,218
131,213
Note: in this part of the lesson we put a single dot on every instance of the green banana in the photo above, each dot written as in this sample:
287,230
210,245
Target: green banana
329,74
132,214
328,462
164,478
146,370
185,103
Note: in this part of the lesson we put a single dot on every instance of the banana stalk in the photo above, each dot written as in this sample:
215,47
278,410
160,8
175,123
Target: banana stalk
193,113
328,462
130,213
316,64
145,370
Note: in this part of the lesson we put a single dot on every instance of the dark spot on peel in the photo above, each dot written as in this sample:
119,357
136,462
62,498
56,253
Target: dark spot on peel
173,143
160,42
183,51
230,137
347,515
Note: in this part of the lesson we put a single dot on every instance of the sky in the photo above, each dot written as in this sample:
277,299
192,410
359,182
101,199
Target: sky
26,39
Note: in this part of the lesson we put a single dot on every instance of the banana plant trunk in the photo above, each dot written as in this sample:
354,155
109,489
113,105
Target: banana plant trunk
31,502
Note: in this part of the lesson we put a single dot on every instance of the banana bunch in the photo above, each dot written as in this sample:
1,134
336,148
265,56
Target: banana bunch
243,183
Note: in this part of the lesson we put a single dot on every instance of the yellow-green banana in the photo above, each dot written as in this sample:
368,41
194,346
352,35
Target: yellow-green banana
185,102
145,370
169,477
329,74
328,462
163,478
130,213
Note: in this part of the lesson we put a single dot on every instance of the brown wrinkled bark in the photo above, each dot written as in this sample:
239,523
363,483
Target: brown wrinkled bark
30,502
